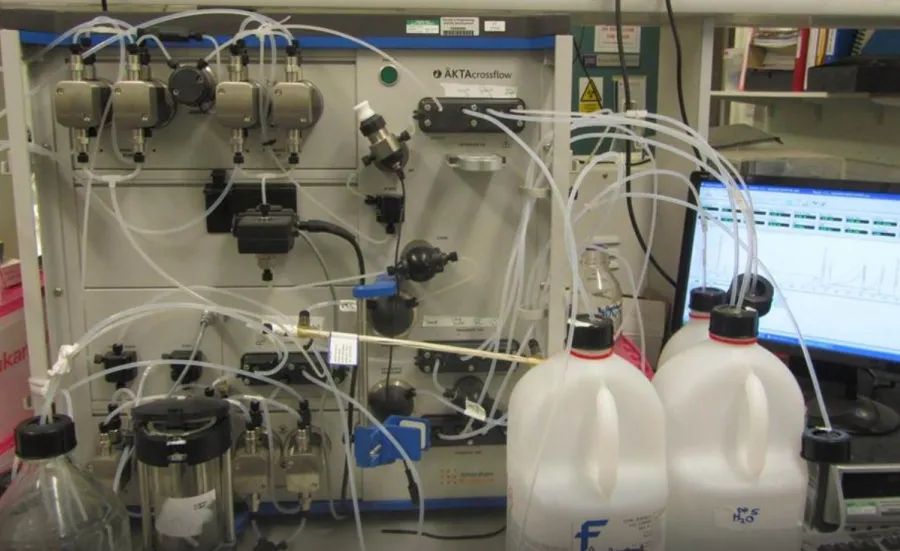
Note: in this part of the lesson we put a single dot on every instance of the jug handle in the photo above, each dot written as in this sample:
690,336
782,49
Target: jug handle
608,440
756,444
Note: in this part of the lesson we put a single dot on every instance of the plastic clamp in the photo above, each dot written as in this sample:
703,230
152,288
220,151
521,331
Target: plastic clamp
534,192
383,286
636,113
373,449
529,314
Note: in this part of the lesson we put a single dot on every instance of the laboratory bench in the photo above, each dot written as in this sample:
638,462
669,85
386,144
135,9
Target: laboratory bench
323,532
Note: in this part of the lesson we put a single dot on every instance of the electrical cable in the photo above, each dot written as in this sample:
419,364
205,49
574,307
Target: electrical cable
402,179
321,226
327,273
444,537
679,66
626,84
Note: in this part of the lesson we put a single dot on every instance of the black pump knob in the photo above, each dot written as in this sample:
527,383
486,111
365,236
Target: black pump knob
256,418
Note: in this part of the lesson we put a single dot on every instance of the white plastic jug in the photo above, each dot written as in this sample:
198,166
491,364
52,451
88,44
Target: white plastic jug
602,478
696,330
734,425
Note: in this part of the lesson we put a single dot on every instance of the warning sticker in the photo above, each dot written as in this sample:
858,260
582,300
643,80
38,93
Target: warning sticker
589,96
459,26
423,26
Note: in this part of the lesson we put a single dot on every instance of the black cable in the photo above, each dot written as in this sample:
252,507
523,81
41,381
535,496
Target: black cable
679,66
626,85
402,179
321,226
460,537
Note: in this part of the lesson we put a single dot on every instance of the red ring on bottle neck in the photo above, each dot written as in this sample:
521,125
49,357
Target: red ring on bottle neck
583,356
699,315
738,342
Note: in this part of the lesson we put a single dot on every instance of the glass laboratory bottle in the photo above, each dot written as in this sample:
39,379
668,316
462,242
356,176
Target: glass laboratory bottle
602,287
54,505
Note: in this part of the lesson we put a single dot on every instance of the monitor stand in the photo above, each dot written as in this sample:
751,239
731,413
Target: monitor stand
851,412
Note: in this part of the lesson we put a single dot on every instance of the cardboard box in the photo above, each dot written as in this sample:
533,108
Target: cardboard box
14,371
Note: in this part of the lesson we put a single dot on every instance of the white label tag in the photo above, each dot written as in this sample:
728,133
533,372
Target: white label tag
459,322
606,39
459,26
343,349
475,411
185,517
347,306
495,26
495,91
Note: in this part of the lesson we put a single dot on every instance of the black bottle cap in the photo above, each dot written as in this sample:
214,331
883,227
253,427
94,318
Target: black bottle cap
45,441
704,299
759,296
821,445
592,334
730,322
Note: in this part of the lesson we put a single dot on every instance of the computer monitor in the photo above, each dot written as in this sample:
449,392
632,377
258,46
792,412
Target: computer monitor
832,246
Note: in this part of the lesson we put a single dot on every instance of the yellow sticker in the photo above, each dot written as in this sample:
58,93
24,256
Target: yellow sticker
590,100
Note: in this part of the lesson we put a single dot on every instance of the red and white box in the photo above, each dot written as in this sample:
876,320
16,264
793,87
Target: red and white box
14,371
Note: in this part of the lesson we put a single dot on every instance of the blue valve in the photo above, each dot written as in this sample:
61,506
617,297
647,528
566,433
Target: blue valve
383,286
372,448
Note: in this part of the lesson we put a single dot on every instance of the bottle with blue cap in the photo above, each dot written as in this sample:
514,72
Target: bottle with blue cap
585,450
735,419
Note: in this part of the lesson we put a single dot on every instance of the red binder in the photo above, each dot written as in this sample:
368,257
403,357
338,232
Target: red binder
799,81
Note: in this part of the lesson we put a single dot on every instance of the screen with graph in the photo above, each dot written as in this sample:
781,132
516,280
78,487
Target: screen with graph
835,255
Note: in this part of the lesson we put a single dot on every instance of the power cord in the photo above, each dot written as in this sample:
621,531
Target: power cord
626,84
321,226
411,485
460,537
402,178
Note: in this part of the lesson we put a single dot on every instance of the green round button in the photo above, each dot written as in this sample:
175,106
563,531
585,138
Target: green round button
389,75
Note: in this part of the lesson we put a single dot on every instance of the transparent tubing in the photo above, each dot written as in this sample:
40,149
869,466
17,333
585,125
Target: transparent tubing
809,363
506,379
203,325
159,43
330,385
127,316
553,412
182,15
72,32
491,423
216,50
347,225
653,211
571,245
150,262
120,468
270,430
187,225
85,217
637,306
363,43
581,122
265,307
650,142
688,135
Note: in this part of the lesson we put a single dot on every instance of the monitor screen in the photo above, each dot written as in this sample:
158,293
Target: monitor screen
834,252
